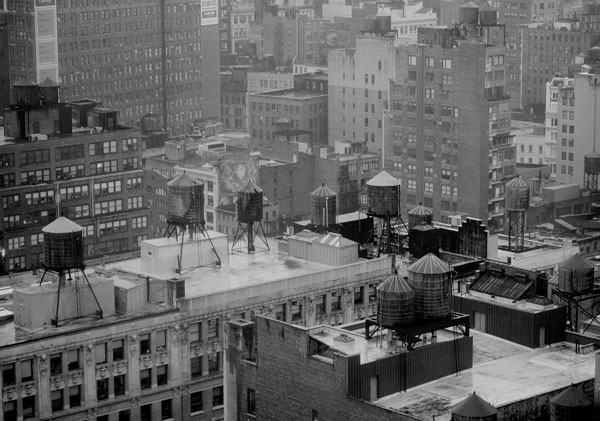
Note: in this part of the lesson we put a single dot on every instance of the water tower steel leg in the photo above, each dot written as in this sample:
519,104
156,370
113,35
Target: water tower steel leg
250,239
100,312
55,321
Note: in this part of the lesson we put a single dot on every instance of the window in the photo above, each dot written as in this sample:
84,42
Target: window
102,389
336,301
29,407
35,157
56,364
372,293
429,61
429,93
446,79
146,379
217,396
124,415
428,187
73,359
8,375
145,343
446,63
104,167
162,372
57,400
412,184
428,109
27,370
161,340
412,60
320,304
130,164
135,183
10,202
196,402
130,144
135,202
213,328
74,396
166,410
296,310
117,350
100,353
196,367
119,382
146,412
251,402
412,75
213,363
194,332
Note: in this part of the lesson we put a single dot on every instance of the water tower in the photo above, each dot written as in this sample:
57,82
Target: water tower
516,204
383,201
473,408
63,255
186,212
249,216
324,208
591,171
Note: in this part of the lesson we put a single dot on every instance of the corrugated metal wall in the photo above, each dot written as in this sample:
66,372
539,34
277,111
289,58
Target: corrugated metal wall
408,369
512,324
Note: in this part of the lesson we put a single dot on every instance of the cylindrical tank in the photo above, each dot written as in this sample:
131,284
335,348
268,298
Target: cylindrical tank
424,239
26,92
575,275
418,215
487,14
570,405
473,408
395,300
468,13
383,195
324,204
594,54
151,123
63,245
250,203
186,201
591,163
517,195
383,23
431,279
369,24
49,91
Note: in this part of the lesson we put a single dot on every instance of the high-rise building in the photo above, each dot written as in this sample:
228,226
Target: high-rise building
159,57
449,125
89,171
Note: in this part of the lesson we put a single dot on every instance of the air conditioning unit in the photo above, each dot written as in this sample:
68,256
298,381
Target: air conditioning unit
256,312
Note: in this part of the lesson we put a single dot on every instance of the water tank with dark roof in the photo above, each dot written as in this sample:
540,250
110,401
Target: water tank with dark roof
431,278
424,239
26,92
487,14
591,163
49,91
324,204
419,214
571,405
474,408
63,245
575,275
250,203
468,13
395,299
517,195
383,195
186,201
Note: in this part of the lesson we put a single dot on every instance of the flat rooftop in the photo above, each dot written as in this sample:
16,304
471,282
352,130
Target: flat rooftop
292,94
244,270
502,373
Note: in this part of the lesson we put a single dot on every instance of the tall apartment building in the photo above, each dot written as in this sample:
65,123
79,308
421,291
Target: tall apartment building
556,90
449,126
90,173
358,91
159,56
235,17
547,51
234,87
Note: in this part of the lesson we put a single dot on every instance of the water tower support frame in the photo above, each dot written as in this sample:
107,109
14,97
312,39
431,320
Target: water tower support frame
516,230
177,230
249,231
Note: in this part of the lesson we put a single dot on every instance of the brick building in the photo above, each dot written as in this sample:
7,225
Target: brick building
449,123
89,171
234,87
160,57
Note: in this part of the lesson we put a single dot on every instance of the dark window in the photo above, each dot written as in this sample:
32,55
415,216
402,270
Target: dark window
8,375
213,363
358,296
74,396
251,402
73,359
102,418
102,389
55,363
117,350
57,400
119,385
196,367
146,378
145,343
166,410
217,396
146,412
162,374
29,407
196,402
124,415
10,411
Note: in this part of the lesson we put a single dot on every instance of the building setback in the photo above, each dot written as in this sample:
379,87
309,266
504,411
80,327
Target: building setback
449,126
159,57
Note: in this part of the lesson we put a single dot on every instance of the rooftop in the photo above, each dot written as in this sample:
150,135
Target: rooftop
502,373
289,93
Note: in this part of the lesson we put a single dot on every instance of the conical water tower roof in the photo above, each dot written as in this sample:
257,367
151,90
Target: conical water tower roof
48,83
419,210
429,264
25,82
394,283
184,180
575,262
323,191
469,5
474,407
571,397
484,6
61,225
518,183
592,155
250,187
383,179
